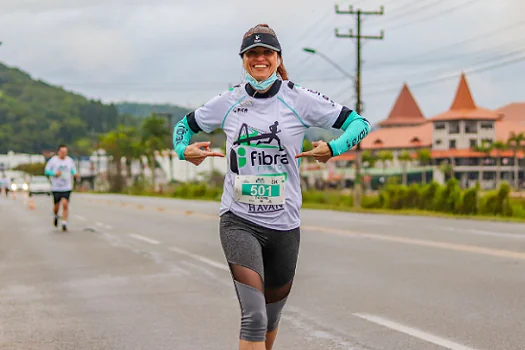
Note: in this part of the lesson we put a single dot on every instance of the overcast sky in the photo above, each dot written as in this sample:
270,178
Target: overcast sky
185,51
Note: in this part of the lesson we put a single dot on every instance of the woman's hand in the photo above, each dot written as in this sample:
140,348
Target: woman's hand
198,151
321,152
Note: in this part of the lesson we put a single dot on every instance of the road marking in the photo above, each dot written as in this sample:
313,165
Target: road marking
202,259
414,332
99,224
424,243
109,227
145,239
79,217
398,239
476,231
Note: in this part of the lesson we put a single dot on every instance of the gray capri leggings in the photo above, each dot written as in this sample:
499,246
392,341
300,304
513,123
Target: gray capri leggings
273,255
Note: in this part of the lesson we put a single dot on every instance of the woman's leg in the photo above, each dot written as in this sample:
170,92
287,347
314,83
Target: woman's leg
275,301
280,261
243,252
254,322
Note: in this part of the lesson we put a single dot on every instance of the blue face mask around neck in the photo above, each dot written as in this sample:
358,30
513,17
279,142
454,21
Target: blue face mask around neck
261,85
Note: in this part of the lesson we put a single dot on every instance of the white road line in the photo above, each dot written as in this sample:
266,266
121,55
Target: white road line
79,217
109,227
414,332
145,239
99,224
475,231
202,259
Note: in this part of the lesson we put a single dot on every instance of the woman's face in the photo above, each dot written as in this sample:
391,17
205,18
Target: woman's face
261,62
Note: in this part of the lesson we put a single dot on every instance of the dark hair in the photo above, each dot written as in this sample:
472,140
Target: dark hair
265,28
61,146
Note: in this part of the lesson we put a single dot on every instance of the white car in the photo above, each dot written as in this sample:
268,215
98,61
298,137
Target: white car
18,184
39,185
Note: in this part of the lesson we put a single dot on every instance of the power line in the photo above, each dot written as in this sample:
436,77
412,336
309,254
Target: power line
409,12
455,75
440,70
436,15
462,42
481,52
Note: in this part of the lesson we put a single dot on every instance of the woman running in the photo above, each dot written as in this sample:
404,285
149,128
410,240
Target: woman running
265,120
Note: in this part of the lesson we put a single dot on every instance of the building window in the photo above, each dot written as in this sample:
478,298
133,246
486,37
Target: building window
439,126
486,141
473,143
487,125
438,142
471,127
452,144
453,128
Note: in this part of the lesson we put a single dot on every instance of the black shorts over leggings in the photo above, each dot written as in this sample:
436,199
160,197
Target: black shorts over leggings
272,254
57,196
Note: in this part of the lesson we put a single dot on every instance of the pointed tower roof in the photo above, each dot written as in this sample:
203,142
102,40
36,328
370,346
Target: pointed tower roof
463,106
463,99
405,111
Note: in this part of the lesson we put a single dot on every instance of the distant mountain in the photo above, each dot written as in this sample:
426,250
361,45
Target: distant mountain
36,116
145,109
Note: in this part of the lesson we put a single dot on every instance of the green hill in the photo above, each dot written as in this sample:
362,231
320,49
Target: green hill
36,116
146,109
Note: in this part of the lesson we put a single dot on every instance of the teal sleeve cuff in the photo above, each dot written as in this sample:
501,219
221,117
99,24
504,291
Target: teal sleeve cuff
73,171
49,173
355,129
182,134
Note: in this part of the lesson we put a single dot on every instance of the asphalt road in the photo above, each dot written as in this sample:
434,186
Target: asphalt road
149,273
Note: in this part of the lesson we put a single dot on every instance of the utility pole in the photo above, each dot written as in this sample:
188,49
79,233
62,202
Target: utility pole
358,105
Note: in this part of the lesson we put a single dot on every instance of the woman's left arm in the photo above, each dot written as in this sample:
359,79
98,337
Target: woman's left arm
355,129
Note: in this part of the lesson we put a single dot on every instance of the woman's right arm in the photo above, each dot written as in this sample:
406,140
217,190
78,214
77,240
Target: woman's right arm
194,153
182,134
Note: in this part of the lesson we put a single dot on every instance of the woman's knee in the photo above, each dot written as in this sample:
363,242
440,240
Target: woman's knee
254,322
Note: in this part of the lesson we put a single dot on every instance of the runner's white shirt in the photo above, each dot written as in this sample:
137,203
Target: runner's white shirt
264,134
64,182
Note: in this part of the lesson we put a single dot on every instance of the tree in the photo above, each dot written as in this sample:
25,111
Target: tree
111,142
384,157
447,168
424,157
369,160
486,149
499,146
155,137
516,142
404,158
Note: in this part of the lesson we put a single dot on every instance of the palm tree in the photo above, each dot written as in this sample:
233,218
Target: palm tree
404,158
499,146
485,148
155,137
424,156
516,142
369,160
447,168
130,147
111,143
385,156
82,147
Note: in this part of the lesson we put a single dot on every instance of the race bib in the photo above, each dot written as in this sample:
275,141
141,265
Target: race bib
259,189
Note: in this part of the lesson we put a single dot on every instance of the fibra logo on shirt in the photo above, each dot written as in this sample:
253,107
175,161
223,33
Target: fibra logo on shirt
260,158
263,157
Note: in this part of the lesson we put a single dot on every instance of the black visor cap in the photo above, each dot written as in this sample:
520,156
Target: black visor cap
260,40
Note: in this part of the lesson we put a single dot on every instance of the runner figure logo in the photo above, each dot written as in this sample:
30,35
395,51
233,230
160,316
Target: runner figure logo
268,137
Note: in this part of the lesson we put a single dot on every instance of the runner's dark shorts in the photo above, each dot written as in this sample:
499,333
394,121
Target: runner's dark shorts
271,253
57,196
